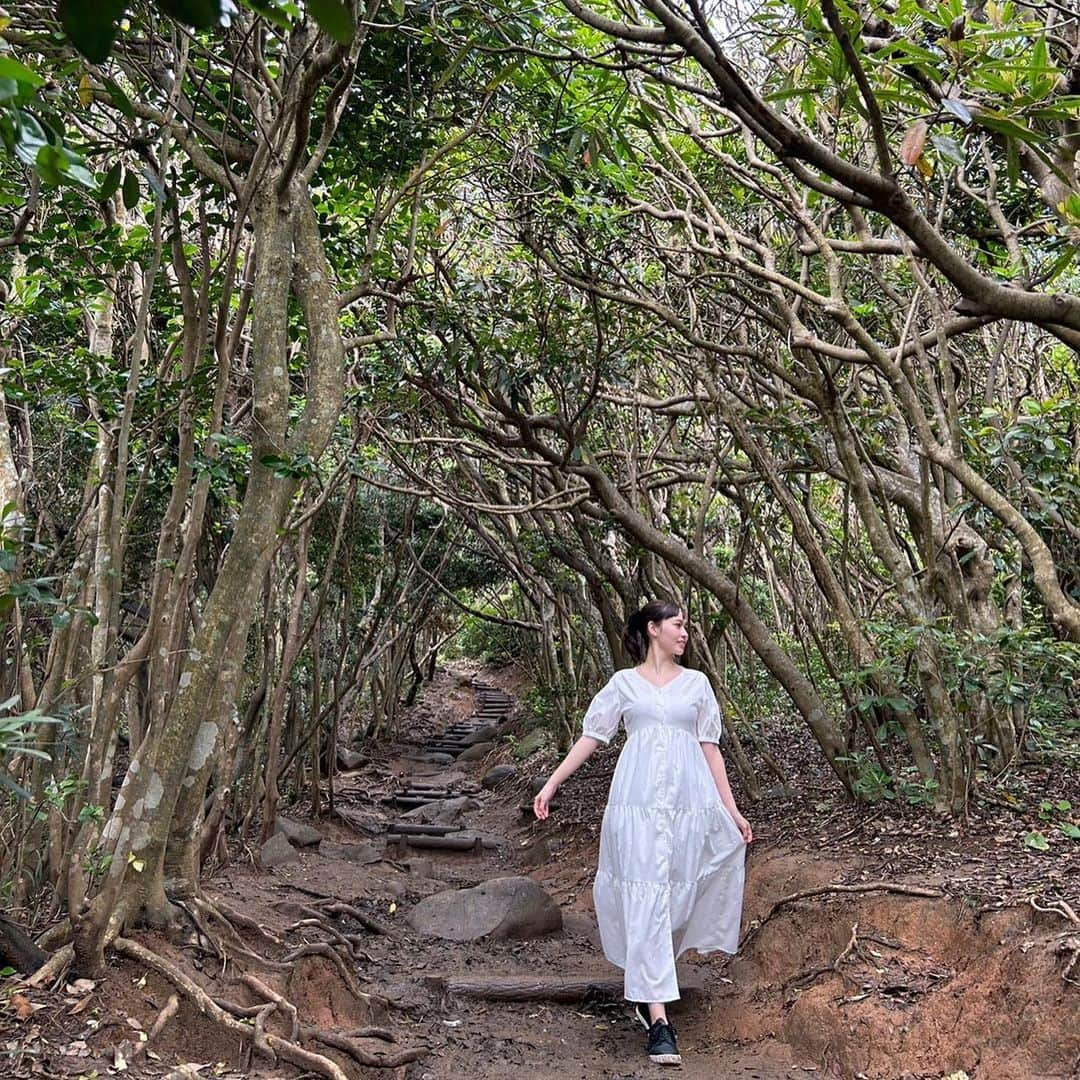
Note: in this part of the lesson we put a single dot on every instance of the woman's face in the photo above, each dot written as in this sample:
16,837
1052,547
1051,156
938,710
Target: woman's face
669,637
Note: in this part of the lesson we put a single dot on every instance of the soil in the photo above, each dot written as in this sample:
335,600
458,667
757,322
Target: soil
874,984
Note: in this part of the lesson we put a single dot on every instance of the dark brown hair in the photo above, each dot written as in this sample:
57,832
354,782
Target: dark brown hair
636,635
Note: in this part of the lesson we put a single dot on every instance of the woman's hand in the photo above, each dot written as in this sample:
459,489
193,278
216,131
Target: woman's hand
745,831
542,802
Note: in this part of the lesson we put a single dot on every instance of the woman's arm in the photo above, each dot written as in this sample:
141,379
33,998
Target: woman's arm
579,753
719,773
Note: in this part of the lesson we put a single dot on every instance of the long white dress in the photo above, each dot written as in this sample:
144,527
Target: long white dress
670,876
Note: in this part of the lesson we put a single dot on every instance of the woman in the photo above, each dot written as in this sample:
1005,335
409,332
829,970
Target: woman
672,844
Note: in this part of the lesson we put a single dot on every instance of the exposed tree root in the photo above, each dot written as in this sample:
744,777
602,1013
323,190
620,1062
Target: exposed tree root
379,1060
339,907
345,1043
824,890
167,1012
54,967
323,948
275,1045
332,906
283,1005
230,918
1069,943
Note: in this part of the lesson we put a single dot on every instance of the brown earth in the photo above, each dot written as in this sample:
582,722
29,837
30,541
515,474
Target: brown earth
869,984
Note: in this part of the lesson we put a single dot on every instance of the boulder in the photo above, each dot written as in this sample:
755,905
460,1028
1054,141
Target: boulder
297,832
529,744
354,853
510,907
498,775
442,811
277,851
476,752
483,734
350,759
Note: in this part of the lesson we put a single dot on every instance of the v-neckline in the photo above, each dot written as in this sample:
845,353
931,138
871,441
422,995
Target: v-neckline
650,683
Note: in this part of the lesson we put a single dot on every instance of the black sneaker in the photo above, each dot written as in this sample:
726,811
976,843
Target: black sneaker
661,1047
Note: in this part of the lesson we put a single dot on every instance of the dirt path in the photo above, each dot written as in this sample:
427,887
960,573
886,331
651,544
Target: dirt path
469,1037
861,980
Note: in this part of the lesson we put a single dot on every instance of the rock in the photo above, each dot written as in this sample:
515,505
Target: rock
354,853
350,759
442,811
277,851
498,775
529,744
297,832
477,751
431,757
510,907
536,783
419,867
483,734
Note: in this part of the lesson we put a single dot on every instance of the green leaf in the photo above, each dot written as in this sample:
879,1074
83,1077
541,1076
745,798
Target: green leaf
280,14
111,183
948,149
119,98
131,190
1037,841
1070,830
334,17
957,108
91,27
12,69
198,13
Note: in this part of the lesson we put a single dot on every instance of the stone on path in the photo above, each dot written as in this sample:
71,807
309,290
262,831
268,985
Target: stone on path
477,751
509,907
431,757
277,851
350,759
498,775
354,853
482,734
535,740
442,811
296,832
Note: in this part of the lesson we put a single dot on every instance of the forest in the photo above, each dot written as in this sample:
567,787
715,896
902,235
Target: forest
348,347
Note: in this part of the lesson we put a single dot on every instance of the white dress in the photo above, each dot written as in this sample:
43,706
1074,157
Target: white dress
670,876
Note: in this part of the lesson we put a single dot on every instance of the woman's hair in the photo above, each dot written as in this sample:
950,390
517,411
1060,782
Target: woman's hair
636,635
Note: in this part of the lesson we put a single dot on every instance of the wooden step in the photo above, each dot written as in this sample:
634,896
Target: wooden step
410,828
411,803
438,843
557,988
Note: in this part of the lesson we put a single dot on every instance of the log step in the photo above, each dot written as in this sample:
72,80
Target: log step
410,828
439,843
557,988
411,803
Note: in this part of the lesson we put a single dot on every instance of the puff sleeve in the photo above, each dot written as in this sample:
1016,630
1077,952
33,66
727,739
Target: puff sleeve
603,714
709,725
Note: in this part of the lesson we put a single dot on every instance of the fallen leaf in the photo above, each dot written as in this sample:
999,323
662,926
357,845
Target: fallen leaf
23,1006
